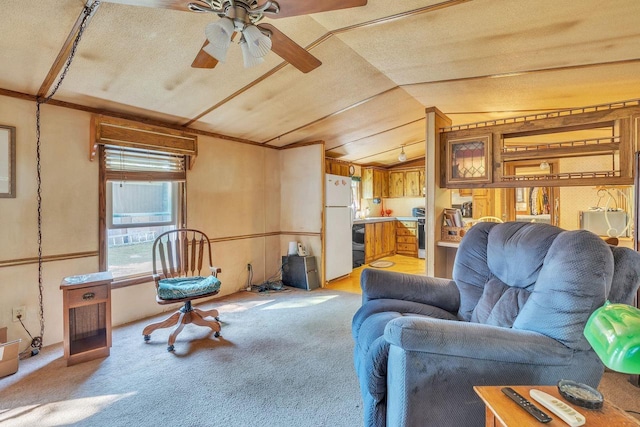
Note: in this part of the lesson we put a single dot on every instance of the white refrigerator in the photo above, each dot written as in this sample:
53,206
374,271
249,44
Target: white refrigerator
338,222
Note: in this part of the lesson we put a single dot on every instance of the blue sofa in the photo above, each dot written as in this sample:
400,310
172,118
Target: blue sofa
513,314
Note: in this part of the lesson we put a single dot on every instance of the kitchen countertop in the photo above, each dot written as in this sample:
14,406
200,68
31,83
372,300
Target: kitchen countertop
385,218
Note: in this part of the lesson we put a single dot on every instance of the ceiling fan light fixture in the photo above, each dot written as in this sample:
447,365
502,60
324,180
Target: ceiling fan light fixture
402,157
258,43
219,36
249,59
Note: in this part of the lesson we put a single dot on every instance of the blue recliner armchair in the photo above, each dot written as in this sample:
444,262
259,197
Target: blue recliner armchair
514,313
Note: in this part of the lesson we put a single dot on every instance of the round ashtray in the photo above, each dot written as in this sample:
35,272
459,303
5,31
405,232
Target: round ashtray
580,394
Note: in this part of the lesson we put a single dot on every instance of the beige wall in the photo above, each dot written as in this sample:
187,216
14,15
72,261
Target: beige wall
302,199
233,191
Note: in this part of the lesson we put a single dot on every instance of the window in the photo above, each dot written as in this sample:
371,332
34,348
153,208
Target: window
355,194
143,195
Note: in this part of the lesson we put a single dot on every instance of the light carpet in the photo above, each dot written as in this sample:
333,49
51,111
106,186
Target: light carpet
284,359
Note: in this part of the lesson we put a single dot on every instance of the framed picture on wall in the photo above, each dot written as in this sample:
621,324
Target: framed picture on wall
7,161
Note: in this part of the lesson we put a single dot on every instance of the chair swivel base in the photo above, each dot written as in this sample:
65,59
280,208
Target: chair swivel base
185,315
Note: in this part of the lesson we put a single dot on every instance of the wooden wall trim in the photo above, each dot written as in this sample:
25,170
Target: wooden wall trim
139,119
88,254
48,258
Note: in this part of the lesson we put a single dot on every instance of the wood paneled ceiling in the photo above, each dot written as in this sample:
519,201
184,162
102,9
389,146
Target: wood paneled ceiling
382,65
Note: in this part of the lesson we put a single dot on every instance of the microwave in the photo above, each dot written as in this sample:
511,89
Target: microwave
605,223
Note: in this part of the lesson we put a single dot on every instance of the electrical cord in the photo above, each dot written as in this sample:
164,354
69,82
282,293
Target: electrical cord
273,283
36,343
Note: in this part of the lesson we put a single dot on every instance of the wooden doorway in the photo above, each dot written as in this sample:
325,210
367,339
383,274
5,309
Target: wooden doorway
534,202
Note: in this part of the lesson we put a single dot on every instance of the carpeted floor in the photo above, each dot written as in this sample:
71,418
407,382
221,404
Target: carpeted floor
284,359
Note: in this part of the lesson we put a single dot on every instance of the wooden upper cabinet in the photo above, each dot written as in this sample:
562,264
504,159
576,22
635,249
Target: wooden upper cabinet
336,167
396,184
374,183
481,155
406,183
412,184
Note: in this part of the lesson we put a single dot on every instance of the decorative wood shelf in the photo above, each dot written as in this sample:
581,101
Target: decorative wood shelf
547,115
584,147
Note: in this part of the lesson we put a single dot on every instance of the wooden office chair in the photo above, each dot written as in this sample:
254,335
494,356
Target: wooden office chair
178,258
489,219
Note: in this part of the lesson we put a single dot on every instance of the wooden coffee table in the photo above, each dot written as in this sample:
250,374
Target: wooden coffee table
504,412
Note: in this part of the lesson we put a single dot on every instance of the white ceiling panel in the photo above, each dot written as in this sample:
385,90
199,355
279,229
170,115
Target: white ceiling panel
523,94
382,64
354,123
483,37
290,99
31,39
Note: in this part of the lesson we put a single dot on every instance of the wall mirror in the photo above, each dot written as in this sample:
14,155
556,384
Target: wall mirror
7,161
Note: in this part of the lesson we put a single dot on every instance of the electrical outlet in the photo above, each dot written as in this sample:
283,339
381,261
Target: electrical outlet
20,312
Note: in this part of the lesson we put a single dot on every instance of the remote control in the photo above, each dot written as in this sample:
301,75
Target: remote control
558,407
526,405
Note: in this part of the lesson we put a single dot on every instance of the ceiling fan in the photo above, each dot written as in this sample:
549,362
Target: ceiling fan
241,17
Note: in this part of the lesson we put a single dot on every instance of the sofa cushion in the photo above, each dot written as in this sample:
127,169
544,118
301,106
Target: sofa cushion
574,280
187,287
499,304
516,251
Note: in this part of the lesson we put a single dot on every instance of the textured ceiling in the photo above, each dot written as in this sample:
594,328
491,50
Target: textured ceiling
382,65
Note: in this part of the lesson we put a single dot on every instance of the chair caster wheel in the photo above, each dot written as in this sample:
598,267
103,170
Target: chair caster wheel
170,348
217,334
147,337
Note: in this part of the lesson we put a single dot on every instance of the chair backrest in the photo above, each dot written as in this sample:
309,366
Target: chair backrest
489,219
181,253
538,277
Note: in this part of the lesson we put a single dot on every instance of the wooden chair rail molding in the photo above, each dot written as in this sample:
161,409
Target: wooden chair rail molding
130,134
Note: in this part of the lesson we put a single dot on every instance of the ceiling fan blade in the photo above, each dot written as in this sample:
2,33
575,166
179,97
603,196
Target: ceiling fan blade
290,51
160,4
305,7
203,59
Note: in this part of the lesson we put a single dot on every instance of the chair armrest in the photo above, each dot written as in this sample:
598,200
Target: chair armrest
435,291
474,340
215,270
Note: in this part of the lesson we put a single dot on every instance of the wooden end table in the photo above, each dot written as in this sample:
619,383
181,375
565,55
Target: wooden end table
87,316
504,412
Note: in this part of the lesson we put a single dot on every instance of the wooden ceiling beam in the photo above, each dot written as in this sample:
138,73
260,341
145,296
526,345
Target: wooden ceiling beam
63,55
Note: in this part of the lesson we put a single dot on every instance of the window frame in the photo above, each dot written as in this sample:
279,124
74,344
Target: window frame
105,176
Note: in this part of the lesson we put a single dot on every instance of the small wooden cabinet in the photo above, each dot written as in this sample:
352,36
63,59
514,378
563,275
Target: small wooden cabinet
379,240
375,183
406,183
336,167
87,316
407,238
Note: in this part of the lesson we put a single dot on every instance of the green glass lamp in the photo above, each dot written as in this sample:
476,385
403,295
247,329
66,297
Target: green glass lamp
613,331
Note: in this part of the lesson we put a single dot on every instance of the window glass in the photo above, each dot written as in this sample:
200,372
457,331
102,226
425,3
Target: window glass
137,212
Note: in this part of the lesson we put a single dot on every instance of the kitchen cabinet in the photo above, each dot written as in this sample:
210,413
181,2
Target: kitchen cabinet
482,205
379,240
375,183
396,184
336,167
412,187
406,183
407,238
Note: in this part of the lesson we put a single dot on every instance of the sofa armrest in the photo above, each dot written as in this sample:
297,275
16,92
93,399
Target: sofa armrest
475,341
435,291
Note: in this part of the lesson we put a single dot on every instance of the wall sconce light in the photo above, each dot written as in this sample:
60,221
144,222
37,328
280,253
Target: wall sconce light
402,157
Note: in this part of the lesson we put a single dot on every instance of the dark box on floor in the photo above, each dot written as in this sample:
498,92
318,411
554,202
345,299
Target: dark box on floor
300,272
